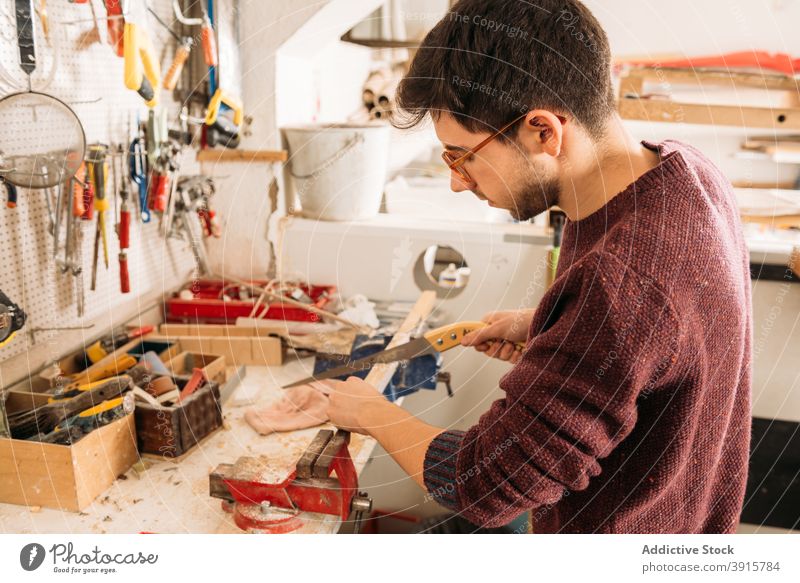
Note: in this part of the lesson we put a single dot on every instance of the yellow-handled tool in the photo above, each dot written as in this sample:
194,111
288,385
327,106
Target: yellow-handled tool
435,341
220,129
108,367
142,69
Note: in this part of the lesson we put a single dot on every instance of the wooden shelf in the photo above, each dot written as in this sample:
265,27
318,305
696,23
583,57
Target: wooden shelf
248,156
635,104
777,221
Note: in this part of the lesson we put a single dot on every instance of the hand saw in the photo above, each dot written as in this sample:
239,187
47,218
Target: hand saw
438,340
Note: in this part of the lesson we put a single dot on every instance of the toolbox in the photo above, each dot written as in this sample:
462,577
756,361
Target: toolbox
209,306
63,477
170,432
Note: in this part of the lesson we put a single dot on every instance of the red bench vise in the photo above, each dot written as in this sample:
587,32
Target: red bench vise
324,481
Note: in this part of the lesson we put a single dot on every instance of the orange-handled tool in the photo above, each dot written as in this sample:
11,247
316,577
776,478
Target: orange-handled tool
209,42
181,55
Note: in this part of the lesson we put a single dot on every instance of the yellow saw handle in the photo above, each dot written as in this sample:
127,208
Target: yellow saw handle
449,336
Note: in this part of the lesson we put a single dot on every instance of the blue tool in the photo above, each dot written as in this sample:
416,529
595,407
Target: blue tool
138,167
418,373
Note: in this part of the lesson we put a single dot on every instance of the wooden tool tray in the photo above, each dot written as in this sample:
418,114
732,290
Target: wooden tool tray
64,477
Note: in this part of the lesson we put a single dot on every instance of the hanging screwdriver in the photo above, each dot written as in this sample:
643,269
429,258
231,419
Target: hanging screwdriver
209,41
185,45
97,176
181,56
124,225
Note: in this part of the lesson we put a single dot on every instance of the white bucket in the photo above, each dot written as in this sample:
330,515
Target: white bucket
338,170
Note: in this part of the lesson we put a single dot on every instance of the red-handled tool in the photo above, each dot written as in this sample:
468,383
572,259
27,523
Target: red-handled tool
88,201
160,192
116,26
198,378
124,278
78,206
124,225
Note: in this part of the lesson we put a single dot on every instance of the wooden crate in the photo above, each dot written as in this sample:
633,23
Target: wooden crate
237,350
171,432
212,364
61,476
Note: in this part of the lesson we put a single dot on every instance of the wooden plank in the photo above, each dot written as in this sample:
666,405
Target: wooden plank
778,222
381,374
717,78
658,110
216,330
266,351
101,456
247,156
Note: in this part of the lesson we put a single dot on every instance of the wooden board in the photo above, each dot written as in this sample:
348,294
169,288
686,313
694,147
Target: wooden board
248,156
633,103
216,330
381,374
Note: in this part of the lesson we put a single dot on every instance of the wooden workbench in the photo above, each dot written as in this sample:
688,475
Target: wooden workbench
172,496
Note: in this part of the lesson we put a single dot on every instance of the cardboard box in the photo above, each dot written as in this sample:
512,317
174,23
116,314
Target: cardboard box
212,364
61,476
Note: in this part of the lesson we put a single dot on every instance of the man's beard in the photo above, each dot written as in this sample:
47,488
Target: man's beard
534,194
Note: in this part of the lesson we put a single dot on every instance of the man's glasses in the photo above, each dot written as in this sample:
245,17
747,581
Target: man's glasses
456,162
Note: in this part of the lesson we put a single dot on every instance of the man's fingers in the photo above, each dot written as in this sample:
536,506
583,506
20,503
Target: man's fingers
325,387
507,351
494,349
479,336
483,347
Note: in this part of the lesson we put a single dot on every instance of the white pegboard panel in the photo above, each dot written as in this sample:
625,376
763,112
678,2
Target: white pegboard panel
88,76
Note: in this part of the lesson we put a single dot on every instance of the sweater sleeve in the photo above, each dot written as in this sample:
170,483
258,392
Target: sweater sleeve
601,336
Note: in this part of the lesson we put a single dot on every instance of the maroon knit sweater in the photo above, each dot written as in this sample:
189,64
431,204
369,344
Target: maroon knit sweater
629,411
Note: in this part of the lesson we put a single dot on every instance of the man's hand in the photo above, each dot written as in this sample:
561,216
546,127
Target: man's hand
351,402
357,406
499,338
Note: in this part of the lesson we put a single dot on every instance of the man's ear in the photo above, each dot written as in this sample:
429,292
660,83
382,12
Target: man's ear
548,130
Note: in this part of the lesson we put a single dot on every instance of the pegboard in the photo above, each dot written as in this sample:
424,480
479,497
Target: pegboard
78,66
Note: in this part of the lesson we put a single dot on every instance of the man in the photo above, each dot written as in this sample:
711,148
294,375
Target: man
629,408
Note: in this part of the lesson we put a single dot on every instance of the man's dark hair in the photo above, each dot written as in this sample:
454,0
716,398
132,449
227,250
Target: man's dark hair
489,61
